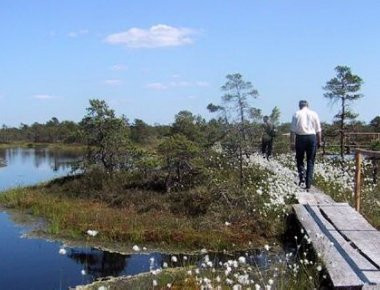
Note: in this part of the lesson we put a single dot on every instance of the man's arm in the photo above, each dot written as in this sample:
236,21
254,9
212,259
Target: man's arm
292,141
293,134
318,129
319,138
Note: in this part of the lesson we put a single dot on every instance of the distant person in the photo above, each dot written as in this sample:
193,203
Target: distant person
267,137
305,137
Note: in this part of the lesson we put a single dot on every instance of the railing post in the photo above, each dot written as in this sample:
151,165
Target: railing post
358,169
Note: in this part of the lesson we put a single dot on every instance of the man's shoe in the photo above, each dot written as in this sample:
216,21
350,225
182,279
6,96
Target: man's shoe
302,183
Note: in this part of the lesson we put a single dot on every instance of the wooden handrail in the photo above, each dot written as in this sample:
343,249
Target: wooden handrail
369,153
358,168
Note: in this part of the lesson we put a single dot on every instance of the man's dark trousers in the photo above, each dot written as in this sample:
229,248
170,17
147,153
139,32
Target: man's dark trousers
266,147
306,144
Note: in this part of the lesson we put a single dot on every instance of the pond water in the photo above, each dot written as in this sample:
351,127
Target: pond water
27,166
37,264
32,263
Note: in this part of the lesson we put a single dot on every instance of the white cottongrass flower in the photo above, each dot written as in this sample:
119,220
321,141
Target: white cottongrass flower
136,248
227,224
242,260
155,283
144,248
169,285
257,287
270,281
92,233
62,251
165,265
267,247
243,279
204,251
174,259
102,288
151,263
236,287
83,272
229,281
156,272
319,268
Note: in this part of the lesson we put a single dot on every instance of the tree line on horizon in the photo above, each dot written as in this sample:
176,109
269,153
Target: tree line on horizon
235,110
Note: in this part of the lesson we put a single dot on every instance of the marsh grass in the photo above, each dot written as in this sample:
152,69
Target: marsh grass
70,217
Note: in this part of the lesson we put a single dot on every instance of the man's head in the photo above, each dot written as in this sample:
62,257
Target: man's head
265,119
302,104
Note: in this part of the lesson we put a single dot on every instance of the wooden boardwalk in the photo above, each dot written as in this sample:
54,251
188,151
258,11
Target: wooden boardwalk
348,244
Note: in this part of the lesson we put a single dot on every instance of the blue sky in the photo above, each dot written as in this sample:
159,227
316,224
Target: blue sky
151,59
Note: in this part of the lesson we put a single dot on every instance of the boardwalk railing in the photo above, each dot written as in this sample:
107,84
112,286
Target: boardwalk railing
359,153
352,140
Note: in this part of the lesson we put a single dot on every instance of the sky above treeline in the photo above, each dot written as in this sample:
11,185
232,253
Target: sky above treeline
151,59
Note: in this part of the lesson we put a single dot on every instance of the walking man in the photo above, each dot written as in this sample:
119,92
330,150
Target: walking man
305,137
267,137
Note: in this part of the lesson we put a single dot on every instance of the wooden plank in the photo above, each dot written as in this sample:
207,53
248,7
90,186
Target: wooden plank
369,153
345,218
356,228
313,197
306,198
371,271
341,273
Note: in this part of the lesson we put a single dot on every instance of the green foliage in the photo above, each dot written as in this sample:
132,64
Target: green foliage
375,145
275,116
237,97
106,137
140,132
179,154
52,131
343,88
189,125
375,123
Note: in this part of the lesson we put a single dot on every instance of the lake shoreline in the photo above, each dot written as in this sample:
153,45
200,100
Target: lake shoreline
68,219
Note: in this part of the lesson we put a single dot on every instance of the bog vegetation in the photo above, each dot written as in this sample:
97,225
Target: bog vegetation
189,185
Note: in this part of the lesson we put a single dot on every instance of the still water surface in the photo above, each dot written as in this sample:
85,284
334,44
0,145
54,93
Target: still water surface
36,263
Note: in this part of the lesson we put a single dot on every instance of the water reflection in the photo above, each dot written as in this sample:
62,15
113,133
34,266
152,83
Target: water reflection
37,264
26,166
98,263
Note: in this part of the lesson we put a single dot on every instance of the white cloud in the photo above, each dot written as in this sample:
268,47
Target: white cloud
44,97
180,84
156,86
119,67
113,82
176,84
202,84
77,33
160,35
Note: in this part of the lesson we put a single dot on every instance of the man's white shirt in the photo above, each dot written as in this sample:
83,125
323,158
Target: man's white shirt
305,122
